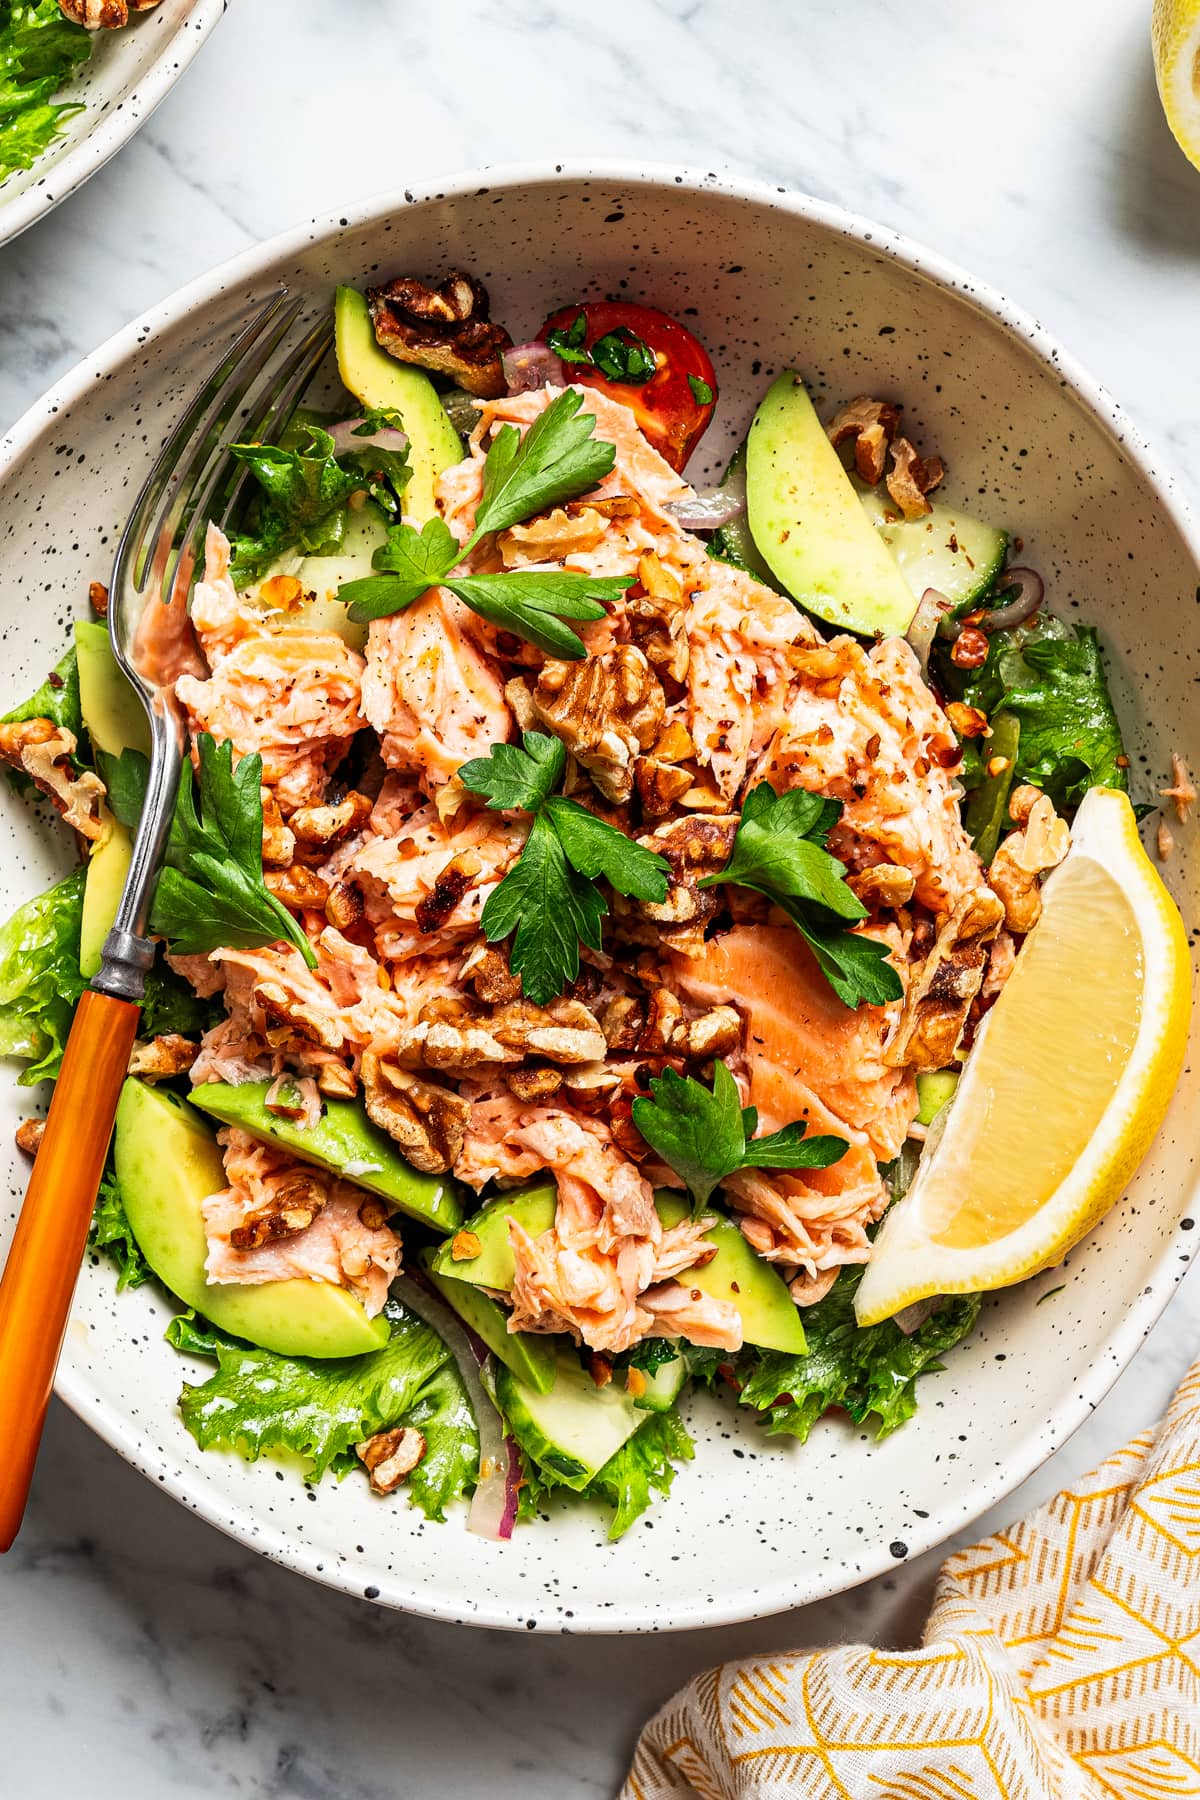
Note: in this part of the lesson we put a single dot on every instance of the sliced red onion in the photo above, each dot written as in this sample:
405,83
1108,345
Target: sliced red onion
930,612
346,439
494,1505
532,365
911,1318
1031,591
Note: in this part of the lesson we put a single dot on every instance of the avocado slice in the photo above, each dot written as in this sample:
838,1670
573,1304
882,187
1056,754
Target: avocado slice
531,1358
377,379
769,1314
167,1163
809,524
935,1089
344,1140
575,1428
115,722
944,549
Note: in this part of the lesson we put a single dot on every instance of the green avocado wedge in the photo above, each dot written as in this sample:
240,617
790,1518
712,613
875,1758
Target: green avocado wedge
344,1140
378,380
532,1359
808,522
115,722
168,1162
770,1318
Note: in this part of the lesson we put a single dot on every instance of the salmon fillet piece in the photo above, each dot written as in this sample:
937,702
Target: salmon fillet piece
338,1247
426,880
431,692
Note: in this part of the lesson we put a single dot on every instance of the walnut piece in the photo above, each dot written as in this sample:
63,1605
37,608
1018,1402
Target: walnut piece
1040,844
391,1455
345,905
428,1122
320,826
606,710
278,839
552,536
489,974
910,478
872,424
283,1008
1182,790
41,749
447,329
336,1081
939,996
163,1056
530,1086
696,845
298,887
658,619
98,598
29,1135
887,884
296,1199
103,15
451,1034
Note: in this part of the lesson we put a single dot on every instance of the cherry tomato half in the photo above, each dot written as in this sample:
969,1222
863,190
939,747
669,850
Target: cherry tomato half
614,348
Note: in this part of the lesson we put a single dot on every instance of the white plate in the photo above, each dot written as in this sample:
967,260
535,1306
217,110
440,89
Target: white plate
119,86
766,278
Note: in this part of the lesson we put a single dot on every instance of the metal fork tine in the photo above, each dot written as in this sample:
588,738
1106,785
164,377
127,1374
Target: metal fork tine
133,538
310,353
215,424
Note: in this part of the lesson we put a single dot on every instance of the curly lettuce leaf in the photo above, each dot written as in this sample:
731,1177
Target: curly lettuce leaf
40,50
643,1467
871,1371
40,982
1050,676
303,497
112,1233
258,1400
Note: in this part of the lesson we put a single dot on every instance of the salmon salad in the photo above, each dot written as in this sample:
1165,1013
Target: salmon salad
584,895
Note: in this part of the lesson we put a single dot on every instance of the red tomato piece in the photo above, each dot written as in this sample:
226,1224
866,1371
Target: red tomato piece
670,406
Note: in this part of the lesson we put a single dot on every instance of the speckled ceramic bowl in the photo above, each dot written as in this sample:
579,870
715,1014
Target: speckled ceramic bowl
766,278
127,74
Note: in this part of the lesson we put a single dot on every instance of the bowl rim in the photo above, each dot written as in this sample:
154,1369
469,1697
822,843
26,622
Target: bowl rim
114,129
1120,1345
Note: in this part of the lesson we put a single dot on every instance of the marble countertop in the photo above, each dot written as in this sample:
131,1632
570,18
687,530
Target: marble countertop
141,1651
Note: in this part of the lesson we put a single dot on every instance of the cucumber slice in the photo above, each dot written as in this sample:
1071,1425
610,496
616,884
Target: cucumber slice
577,1427
733,543
531,1358
947,549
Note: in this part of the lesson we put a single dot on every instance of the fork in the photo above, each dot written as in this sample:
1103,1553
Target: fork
192,481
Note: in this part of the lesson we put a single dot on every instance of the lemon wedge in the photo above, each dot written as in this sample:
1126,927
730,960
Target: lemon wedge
1067,1083
1175,37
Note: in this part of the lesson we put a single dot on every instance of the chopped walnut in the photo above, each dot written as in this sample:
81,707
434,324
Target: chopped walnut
715,1033
296,1199
452,882
489,974
29,1135
298,887
1040,844
887,884
344,906
565,1031
428,1122
162,1057
336,1081
530,1086
447,329
519,696
1182,789
1021,803
694,846
98,598
41,749
1164,841
659,785
666,1029
658,618
390,1456
283,1008
103,15
606,710
323,825
278,839
552,537
940,995
623,1022
967,721
910,478
872,424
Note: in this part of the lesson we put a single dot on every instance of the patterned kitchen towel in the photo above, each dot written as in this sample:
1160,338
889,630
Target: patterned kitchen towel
1061,1661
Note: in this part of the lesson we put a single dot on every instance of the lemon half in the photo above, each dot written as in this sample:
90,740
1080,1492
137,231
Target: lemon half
1069,1079
1175,36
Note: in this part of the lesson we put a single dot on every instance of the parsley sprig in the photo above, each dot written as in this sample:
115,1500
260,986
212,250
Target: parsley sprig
706,1133
211,894
780,851
557,460
549,899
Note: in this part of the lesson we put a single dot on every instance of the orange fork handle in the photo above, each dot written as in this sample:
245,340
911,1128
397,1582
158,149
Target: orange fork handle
47,1250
